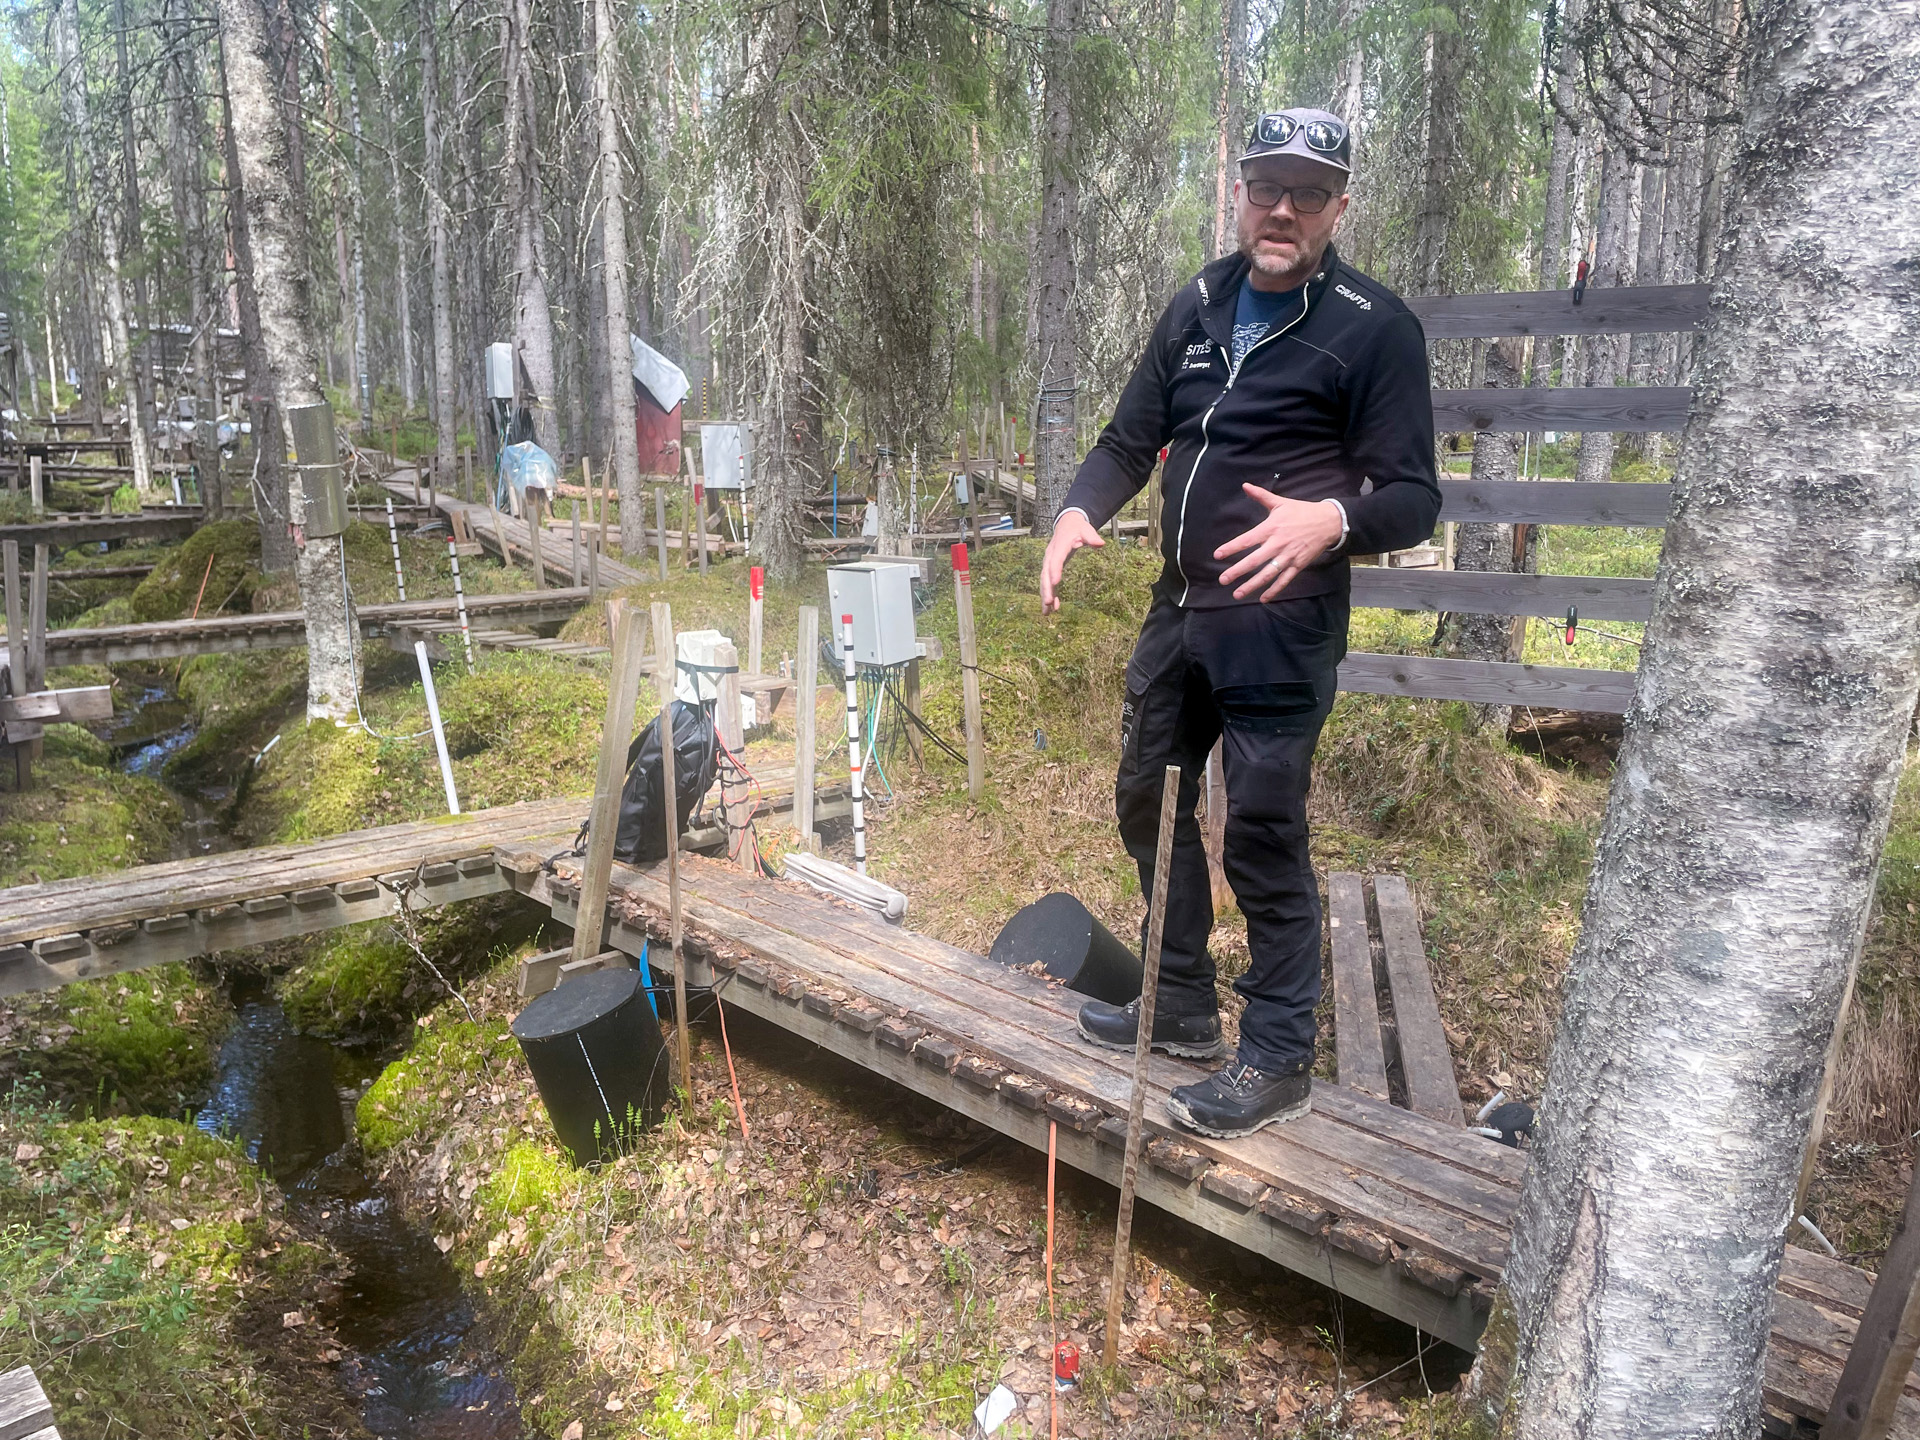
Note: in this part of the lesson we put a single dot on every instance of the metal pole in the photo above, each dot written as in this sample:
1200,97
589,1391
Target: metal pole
439,734
853,747
1142,1051
393,539
460,601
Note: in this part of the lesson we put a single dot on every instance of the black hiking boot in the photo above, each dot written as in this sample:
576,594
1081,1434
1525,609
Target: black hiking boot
1238,1100
1196,1037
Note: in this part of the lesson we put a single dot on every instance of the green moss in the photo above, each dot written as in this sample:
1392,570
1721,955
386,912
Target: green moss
530,1180
237,703
218,567
124,1250
404,1102
81,816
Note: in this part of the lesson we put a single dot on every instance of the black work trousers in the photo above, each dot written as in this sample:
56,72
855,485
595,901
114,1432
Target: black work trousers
1262,676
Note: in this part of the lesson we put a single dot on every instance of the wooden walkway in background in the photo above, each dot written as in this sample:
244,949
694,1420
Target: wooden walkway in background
1405,1213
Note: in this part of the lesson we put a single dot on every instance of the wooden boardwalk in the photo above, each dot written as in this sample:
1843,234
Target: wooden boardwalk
1404,1213
487,525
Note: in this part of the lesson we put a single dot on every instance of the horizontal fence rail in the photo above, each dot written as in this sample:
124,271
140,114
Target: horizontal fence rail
1555,502
1602,407
1489,682
1481,592
1635,309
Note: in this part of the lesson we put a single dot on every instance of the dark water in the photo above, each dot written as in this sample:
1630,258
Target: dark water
412,1356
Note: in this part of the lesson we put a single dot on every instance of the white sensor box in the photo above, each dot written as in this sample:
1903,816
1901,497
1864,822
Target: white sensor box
878,594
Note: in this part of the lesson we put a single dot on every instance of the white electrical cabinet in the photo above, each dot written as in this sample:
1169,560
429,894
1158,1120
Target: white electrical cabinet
726,456
878,594
500,371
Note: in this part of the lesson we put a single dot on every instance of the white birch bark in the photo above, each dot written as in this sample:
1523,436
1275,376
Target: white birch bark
1056,339
445,419
277,228
1736,865
532,313
74,109
1612,266
613,274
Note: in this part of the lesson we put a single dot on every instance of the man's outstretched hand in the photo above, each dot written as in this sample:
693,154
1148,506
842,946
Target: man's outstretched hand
1070,531
1295,533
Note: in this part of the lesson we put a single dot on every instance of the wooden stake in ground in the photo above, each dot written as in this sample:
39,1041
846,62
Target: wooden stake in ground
466,463
626,637
756,616
806,677
666,672
1142,1051
535,509
37,622
1888,1339
573,569
700,517
36,486
16,599
660,525
969,670
735,812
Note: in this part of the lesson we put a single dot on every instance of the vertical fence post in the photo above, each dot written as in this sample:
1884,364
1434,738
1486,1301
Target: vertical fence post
660,526
736,810
623,692
969,670
806,670
37,622
700,513
668,671
533,510
36,485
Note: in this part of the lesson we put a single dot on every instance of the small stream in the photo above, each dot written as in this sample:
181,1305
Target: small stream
413,1359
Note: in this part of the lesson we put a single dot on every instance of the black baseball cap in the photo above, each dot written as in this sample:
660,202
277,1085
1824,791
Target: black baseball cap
1311,134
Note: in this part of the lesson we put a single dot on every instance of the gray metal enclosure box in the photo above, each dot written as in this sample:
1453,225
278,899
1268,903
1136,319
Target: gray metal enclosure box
879,597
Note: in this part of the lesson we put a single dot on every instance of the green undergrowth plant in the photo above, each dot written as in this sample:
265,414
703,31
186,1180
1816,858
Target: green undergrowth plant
142,1268
81,816
217,567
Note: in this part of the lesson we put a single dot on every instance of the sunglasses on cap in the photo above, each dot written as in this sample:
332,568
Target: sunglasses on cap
1326,136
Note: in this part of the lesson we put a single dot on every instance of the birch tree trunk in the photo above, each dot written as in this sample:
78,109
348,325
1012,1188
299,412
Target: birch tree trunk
277,225
73,97
403,276
1056,271
445,418
356,193
613,244
1736,865
185,179
1566,139
532,315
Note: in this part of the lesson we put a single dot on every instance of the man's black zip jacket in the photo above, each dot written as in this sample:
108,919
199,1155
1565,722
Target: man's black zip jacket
1336,394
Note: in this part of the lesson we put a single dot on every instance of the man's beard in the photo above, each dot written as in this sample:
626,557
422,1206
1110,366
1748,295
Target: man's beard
1294,271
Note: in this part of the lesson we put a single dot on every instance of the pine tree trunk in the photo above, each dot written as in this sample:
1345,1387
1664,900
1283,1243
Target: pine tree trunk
277,225
613,241
445,419
1056,335
1566,139
356,192
269,482
532,315
1737,862
73,95
1231,117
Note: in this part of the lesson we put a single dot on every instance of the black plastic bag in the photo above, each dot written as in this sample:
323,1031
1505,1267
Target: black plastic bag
641,835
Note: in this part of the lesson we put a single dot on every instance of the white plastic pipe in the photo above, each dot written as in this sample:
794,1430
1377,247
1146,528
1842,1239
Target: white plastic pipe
439,733
393,539
853,748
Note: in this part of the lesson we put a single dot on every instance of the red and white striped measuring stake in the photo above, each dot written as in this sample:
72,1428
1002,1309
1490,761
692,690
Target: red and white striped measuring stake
393,539
460,602
853,748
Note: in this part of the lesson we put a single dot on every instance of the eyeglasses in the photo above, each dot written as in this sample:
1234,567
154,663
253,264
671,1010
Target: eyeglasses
1326,136
1307,199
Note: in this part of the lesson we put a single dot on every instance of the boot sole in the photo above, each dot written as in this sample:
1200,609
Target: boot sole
1183,1117
1185,1052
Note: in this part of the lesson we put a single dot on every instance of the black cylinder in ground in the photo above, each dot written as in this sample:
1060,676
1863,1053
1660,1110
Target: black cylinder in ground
1061,933
596,1054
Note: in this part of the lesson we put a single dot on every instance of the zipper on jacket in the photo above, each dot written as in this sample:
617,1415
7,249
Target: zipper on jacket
1233,374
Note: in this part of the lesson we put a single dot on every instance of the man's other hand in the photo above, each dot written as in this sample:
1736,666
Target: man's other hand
1294,534
1070,531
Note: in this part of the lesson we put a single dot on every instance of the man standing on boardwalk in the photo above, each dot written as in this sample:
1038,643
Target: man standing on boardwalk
1292,391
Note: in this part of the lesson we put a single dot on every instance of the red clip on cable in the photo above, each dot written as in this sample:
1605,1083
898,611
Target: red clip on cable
1573,622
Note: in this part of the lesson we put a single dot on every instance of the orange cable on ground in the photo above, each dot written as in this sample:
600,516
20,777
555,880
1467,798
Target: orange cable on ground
1053,1331
211,557
746,1137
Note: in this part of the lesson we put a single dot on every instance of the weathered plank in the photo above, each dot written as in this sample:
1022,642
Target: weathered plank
1426,1060
169,524
24,1410
1637,309
87,702
1490,682
1555,502
1609,407
1361,1060
1488,593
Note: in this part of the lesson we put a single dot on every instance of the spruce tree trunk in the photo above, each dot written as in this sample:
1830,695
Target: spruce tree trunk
403,276
277,225
1736,865
613,240
74,108
132,248
1056,272
1566,139
356,192
445,419
269,478
185,136
532,314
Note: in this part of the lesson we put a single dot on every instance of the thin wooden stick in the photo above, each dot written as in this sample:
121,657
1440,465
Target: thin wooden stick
667,672
623,690
1888,1337
969,671
1142,1051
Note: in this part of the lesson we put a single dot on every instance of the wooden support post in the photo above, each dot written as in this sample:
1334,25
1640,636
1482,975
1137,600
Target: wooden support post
16,600
969,670
806,695
1810,1157
534,510
466,462
668,670
627,638
1884,1346
1142,1053
433,485
700,513
756,616
573,570
586,483
911,684
606,506
660,525
500,534
37,622
970,511
1215,835
36,485
593,567
736,808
